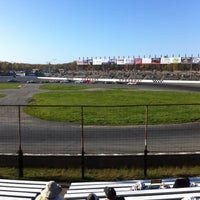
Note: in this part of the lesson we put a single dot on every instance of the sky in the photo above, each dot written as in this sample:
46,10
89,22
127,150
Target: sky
62,31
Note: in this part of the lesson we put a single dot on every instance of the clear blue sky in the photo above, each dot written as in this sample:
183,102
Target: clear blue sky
61,31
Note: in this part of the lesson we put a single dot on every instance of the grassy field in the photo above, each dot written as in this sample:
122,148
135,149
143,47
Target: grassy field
84,95
9,86
71,175
130,114
2,95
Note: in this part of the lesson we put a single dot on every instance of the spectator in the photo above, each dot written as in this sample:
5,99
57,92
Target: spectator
181,183
92,196
51,192
111,194
190,198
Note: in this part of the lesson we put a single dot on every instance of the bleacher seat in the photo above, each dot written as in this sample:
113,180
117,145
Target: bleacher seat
80,190
20,189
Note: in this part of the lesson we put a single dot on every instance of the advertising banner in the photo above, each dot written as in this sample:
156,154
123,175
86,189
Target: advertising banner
82,62
120,61
186,60
129,61
196,60
97,61
112,61
146,60
138,61
105,61
164,60
79,62
155,60
175,59
90,61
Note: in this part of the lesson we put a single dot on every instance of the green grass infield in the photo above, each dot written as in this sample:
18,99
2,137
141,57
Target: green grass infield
107,106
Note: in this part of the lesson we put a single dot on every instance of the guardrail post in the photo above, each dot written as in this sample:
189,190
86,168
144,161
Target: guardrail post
145,144
20,152
82,146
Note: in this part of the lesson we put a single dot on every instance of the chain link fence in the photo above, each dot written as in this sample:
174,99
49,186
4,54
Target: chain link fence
99,130
93,131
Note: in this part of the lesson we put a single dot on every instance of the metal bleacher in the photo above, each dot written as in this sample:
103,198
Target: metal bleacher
80,190
20,189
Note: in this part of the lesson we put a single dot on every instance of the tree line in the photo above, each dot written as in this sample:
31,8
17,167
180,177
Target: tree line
7,66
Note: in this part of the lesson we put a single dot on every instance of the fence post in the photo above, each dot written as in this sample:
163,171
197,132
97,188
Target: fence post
82,145
145,144
20,152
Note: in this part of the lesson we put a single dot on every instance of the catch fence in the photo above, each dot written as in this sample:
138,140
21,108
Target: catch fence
84,130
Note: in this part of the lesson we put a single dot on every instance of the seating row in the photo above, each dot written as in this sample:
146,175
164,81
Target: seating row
80,190
20,189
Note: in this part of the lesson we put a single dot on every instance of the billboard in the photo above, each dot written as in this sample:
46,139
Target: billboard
129,61
155,61
105,61
97,61
175,59
164,60
120,61
186,60
82,62
138,61
112,61
196,60
146,60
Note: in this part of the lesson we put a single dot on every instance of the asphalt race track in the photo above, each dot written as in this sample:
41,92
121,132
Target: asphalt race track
42,139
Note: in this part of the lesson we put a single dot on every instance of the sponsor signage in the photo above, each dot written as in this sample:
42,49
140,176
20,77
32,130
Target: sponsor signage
164,60
129,61
105,61
120,61
82,62
186,60
196,60
155,61
146,60
175,59
97,61
112,61
138,61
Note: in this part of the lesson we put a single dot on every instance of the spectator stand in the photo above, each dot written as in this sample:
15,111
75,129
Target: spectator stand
20,189
154,189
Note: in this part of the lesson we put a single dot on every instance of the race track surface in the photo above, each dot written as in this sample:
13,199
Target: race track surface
40,136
